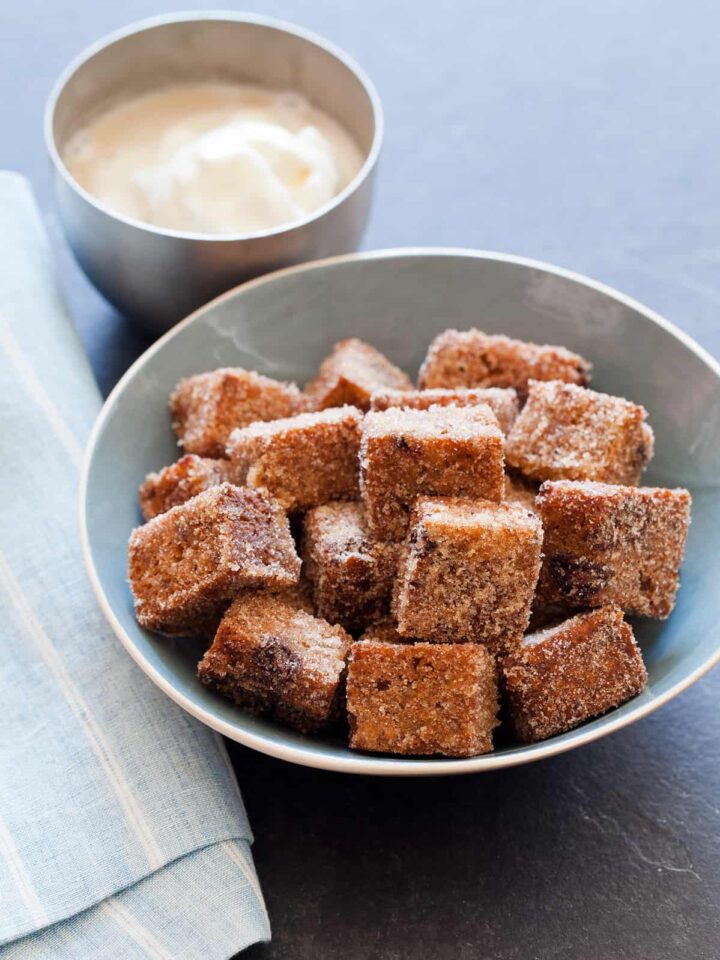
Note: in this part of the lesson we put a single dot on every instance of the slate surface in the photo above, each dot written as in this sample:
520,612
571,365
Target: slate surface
585,134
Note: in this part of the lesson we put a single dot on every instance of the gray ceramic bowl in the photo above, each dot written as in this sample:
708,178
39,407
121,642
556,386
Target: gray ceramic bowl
284,324
158,276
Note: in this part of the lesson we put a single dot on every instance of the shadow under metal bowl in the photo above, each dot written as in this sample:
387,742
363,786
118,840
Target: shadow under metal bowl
157,276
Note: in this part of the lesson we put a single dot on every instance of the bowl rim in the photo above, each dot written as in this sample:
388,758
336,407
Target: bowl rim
363,763
167,19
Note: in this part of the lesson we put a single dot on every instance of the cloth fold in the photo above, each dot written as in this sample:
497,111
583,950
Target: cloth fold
122,831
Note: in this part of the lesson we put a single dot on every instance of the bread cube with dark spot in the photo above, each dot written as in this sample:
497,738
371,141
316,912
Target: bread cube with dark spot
271,657
304,461
352,573
207,407
468,573
420,698
442,451
612,544
471,358
564,675
186,565
352,372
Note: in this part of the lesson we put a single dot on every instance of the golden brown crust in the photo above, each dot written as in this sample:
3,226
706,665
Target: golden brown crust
421,698
567,674
270,656
352,372
613,544
185,565
565,432
442,451
503,401
352,574
299,595
207,407
181,481
468,572
471,358
304,461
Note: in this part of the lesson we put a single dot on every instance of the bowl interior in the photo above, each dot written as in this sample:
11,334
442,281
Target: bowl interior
223,48
284,325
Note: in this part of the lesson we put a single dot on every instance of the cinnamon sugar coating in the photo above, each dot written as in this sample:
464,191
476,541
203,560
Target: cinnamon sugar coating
442,451
352,372
205,408
181,481
304,460
613,544
420,698
270,657
185,565
471,358
567,674
468,572
299,595
565,432
503,401
352,574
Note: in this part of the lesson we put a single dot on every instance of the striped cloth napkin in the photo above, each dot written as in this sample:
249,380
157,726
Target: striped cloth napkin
122,831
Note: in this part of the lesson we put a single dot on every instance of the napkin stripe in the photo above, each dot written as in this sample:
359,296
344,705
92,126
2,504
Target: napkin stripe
32,626
13,351
22,880
237,858
134,929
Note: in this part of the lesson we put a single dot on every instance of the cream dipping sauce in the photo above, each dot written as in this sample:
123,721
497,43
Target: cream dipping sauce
214,158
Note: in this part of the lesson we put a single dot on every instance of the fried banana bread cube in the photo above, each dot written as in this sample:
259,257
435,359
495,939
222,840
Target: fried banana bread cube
352,372
181,481
468,573
612,544
567,674
420,698
207,407
352,574
566,432
442,451
185,565
304,461
471,358
270,657
503,401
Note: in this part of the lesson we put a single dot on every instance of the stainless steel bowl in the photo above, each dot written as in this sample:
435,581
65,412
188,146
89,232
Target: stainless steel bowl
157,276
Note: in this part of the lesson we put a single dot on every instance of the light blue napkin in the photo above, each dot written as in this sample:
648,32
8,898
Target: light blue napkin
122,831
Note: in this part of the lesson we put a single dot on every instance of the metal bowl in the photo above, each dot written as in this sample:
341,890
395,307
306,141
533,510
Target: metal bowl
157,276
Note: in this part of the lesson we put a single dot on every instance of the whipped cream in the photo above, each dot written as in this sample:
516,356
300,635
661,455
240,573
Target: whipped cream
214,158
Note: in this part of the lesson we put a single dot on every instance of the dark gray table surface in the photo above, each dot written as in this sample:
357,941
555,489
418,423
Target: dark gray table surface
585,134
